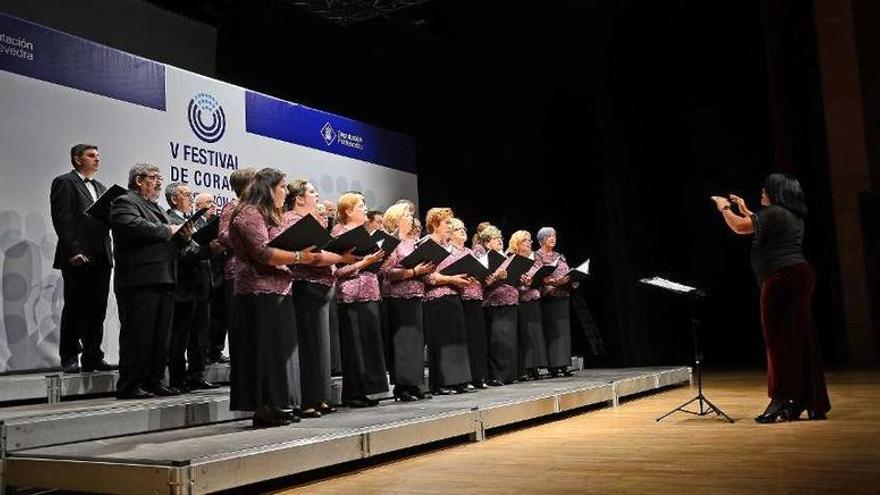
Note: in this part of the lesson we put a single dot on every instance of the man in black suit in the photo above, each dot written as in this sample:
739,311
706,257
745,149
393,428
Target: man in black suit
219,315
147,248
192,308
84,257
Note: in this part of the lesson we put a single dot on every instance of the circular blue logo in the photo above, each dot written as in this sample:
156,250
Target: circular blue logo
204,107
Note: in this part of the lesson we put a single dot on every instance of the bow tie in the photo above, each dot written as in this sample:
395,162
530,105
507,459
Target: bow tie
87,180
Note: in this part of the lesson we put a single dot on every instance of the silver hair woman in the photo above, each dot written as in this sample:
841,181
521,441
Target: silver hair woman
554,304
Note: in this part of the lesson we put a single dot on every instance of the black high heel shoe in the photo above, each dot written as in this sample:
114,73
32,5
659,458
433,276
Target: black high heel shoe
774,411
816,415
811,414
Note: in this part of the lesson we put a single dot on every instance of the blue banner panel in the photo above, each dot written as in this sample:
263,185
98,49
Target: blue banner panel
35,51
297,124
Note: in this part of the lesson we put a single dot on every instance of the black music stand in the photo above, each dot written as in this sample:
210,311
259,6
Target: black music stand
693,294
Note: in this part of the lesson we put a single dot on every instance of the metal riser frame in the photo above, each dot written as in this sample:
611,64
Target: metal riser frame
246,467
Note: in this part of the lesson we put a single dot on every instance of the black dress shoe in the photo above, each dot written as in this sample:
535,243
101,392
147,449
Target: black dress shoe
325,408
97,366
496,383
183,388
70,367
463,389
163,391
309,413
404,395
358,402
201,385
137,393
273,419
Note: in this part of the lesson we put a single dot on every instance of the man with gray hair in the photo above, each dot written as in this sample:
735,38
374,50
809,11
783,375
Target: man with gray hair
192,306
146,251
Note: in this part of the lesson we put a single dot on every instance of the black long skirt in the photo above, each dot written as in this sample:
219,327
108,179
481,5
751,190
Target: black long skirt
312,304
475,323
264,357
386,339
448,363
557,331
335,346
407,341
363,359
502,322
532,348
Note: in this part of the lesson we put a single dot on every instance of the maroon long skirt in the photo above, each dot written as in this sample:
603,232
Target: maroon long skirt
794,362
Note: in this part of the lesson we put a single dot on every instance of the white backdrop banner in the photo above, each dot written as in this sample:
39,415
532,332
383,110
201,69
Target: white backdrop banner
57,90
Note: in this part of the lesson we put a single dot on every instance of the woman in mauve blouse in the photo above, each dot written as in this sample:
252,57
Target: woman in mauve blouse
449,367
402,292
265,361
530,332
360,332
500,300
474,320
554,304
313,289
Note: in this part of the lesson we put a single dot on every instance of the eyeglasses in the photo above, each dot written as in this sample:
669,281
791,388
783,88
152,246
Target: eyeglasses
153,176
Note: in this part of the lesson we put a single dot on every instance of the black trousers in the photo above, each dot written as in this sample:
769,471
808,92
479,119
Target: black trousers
311,303
82,320
145,316
220,318
189,341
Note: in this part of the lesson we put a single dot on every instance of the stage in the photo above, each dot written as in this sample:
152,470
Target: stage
103,445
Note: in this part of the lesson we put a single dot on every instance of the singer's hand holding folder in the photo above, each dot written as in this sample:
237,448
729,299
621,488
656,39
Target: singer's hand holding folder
307,231
428,251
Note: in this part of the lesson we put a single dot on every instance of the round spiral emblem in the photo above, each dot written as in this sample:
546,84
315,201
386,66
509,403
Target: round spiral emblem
206,118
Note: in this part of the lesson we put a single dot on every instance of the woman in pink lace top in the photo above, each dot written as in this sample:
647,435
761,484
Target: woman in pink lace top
360,333
265,371
402,292
532,349
477,247
554,304
448,362
239,180
499,303
472,307
313,288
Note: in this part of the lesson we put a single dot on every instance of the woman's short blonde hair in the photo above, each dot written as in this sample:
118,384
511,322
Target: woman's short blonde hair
393,215
516,238
457,224
489,233
347,203
436,216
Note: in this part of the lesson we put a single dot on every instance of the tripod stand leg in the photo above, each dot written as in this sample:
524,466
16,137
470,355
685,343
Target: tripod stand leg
680,408
718,411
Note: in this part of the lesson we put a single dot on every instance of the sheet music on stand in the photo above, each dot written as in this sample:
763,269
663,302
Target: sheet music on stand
670,285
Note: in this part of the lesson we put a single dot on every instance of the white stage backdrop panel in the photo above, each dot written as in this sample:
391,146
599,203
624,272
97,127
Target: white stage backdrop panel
57,90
